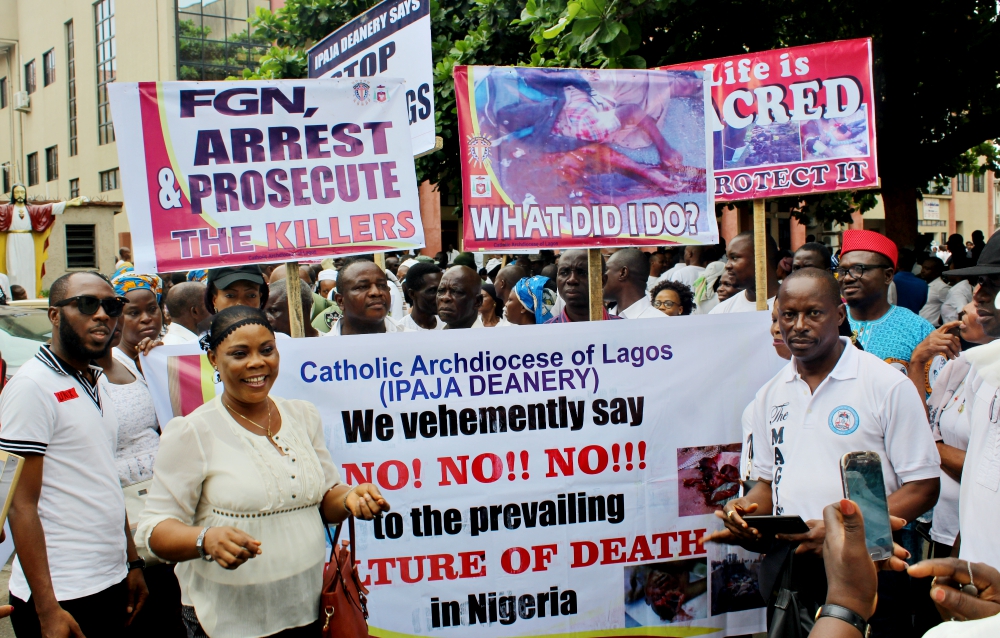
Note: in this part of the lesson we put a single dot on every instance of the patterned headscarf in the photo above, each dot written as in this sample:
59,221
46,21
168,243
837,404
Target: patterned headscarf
197,275
533,294
126,280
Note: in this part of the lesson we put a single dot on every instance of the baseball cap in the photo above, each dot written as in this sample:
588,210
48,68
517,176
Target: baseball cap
988,264
222,278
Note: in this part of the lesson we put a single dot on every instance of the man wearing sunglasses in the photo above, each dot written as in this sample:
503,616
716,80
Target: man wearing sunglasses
77,571
979,498
867,264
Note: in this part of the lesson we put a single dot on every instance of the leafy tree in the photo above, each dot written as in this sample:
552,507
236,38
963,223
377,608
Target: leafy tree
936,70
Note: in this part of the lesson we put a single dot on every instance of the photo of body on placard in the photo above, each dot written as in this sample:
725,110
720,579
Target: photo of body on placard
734,578
760,145
836,138
590,136
666,593
707,478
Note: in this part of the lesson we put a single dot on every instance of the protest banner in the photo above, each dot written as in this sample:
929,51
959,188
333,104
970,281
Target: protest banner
552,483
792,121
232,173
393,40
582,158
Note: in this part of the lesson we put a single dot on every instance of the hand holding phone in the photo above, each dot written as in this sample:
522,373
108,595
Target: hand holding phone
861,473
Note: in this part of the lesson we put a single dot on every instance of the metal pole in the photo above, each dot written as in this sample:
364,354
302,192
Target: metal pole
293,288
596,279
760,252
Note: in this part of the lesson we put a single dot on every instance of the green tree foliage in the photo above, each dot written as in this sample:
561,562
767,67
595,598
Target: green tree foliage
936,70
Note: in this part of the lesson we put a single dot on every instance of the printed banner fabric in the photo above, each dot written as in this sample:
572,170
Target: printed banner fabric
792,121
551,483
580,158
229,173
392,39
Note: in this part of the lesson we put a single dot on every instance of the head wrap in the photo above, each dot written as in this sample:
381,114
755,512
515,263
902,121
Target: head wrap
533,294
197,275
465,259
409,263
327,275
871,241
229,320
126,280
704,286
491,290
493,263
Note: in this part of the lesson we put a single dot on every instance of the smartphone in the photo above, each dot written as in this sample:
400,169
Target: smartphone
768,526
861,473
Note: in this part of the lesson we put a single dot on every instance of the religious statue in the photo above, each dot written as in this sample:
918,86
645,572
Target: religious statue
25,230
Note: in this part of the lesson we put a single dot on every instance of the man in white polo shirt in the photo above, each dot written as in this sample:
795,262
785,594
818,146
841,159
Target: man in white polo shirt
741,266
979,498
829,400
628,271
77,571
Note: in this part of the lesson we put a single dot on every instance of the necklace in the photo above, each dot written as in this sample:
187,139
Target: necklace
254,423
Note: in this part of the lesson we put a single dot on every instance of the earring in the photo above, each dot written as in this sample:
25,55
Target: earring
218,379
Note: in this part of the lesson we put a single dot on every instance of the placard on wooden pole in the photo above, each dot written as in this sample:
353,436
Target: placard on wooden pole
296,320
596,280
760,252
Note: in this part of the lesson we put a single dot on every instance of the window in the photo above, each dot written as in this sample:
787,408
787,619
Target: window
3,93
51,163
48,67
81,249
6,178
29,77
962,182
74,188
109,180
71,86
979,183
32,169
214,40
104,20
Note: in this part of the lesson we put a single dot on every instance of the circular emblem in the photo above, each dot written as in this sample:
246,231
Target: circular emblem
844,420
933,370
899,364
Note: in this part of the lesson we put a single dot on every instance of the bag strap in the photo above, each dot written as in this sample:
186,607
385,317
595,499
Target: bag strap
350,531
333,539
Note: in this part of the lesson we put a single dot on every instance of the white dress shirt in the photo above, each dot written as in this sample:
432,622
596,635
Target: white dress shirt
937,294
739,303
390,326
687,275
178,334
958,297
642,309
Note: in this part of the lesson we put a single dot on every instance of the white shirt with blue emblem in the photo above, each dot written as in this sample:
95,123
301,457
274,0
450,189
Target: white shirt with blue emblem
864,404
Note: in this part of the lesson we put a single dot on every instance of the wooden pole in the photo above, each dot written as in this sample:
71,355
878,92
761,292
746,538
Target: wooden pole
293,287
596,280
380,260
760,252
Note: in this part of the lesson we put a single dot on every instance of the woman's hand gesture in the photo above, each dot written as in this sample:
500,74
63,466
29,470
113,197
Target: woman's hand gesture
365,501
230,547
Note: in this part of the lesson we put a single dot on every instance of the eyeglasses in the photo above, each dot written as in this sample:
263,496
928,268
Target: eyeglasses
669,305
88,304
857,271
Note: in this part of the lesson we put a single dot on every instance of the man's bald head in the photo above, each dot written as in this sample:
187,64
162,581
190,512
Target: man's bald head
353,269
810,312
506,278
186,304
459,297
823,281
636,262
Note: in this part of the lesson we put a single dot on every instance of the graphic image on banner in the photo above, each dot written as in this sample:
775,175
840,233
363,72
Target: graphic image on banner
554,485
231,173
393,40
792,121
580,158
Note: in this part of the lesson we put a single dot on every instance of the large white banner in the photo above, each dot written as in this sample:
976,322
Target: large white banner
545,480
392,39
231,173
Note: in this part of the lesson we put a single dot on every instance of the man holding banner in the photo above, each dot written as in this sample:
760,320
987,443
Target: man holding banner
829,400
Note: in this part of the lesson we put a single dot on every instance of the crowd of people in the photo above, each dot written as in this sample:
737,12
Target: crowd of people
117,519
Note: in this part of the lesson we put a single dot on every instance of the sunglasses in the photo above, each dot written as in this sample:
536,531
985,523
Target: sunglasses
88,304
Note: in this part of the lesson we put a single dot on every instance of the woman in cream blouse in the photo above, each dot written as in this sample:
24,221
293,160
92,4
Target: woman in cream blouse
237,492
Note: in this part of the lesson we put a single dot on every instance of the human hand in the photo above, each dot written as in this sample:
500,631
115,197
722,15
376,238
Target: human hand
230,547
77,201
811,541
950,574
146,345
365,501
59,623
6,610
737,529
943,341
137,594
852,581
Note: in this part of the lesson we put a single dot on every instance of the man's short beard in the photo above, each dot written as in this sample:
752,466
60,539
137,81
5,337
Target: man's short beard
73,344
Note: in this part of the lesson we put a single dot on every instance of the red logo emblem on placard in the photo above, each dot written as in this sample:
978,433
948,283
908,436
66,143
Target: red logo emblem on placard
65,395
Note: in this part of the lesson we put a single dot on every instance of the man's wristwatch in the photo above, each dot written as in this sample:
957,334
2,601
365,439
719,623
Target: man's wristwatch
138,563
200,545
843,613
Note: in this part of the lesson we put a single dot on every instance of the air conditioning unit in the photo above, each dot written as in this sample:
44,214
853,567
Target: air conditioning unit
22,102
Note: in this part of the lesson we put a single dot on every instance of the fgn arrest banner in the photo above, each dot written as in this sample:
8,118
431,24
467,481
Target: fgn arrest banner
229,173
392,39
792,121
577,158
547,481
